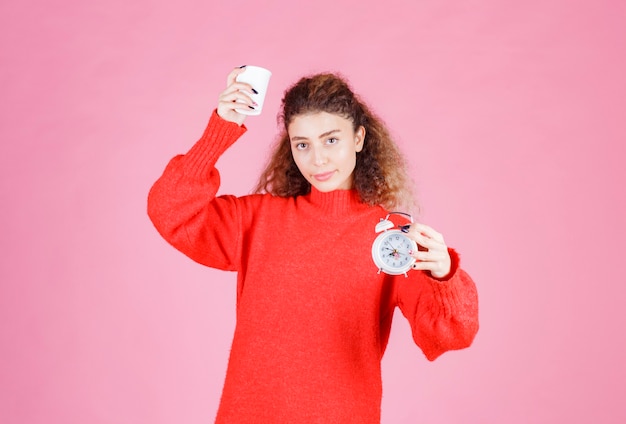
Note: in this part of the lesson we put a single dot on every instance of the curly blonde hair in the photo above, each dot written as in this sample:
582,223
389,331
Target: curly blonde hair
380,174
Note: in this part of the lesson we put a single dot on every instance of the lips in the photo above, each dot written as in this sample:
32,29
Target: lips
324,176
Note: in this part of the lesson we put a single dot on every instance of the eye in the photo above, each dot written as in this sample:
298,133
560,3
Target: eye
332,141
301,146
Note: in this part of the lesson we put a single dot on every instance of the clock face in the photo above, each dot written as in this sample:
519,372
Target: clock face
391,252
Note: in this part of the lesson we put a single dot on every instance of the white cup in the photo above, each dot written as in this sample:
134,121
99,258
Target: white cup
259,79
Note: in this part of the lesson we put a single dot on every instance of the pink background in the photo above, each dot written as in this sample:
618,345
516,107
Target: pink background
512,114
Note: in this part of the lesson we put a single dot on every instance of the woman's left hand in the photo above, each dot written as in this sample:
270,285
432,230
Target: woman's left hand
435,258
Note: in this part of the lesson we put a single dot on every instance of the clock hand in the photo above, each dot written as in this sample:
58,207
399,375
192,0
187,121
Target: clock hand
396,251
392,252
394,247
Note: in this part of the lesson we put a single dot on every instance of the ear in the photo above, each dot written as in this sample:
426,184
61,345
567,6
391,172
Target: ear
359,138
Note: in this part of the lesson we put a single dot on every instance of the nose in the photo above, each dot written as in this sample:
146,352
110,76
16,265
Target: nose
319,156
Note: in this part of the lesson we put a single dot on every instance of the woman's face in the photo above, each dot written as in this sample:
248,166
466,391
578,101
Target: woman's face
324,147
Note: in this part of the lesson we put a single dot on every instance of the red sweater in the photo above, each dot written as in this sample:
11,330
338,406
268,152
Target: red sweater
313,314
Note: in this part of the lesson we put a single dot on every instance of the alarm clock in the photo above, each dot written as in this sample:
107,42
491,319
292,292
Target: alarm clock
391,247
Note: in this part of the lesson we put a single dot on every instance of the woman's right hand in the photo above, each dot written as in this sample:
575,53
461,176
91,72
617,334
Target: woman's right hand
232,98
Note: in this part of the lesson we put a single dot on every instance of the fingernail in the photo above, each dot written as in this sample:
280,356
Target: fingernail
251,107
254,91
242,66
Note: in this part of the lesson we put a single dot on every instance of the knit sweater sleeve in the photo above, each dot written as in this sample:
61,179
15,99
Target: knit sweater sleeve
443,313
183,205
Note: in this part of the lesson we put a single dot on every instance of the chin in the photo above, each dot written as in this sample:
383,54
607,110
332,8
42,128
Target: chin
330,185
326,188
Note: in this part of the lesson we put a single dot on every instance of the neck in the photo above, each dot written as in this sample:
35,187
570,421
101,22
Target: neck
336,202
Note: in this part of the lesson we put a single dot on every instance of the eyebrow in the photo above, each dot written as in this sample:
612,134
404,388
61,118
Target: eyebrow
326,134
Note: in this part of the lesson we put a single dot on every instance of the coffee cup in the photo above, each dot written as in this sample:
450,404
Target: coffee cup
259,79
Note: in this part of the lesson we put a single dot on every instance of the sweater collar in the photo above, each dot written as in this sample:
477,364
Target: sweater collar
337,202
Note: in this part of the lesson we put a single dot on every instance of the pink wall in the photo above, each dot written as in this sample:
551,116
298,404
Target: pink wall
511,112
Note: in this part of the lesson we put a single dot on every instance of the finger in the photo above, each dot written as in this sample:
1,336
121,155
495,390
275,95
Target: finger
424,266
224,109
436,268
429,256
427,231
236,87
232,76
426,242
237,95
426,237
438,262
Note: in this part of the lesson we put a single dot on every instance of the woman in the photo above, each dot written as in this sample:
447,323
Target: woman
313,312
